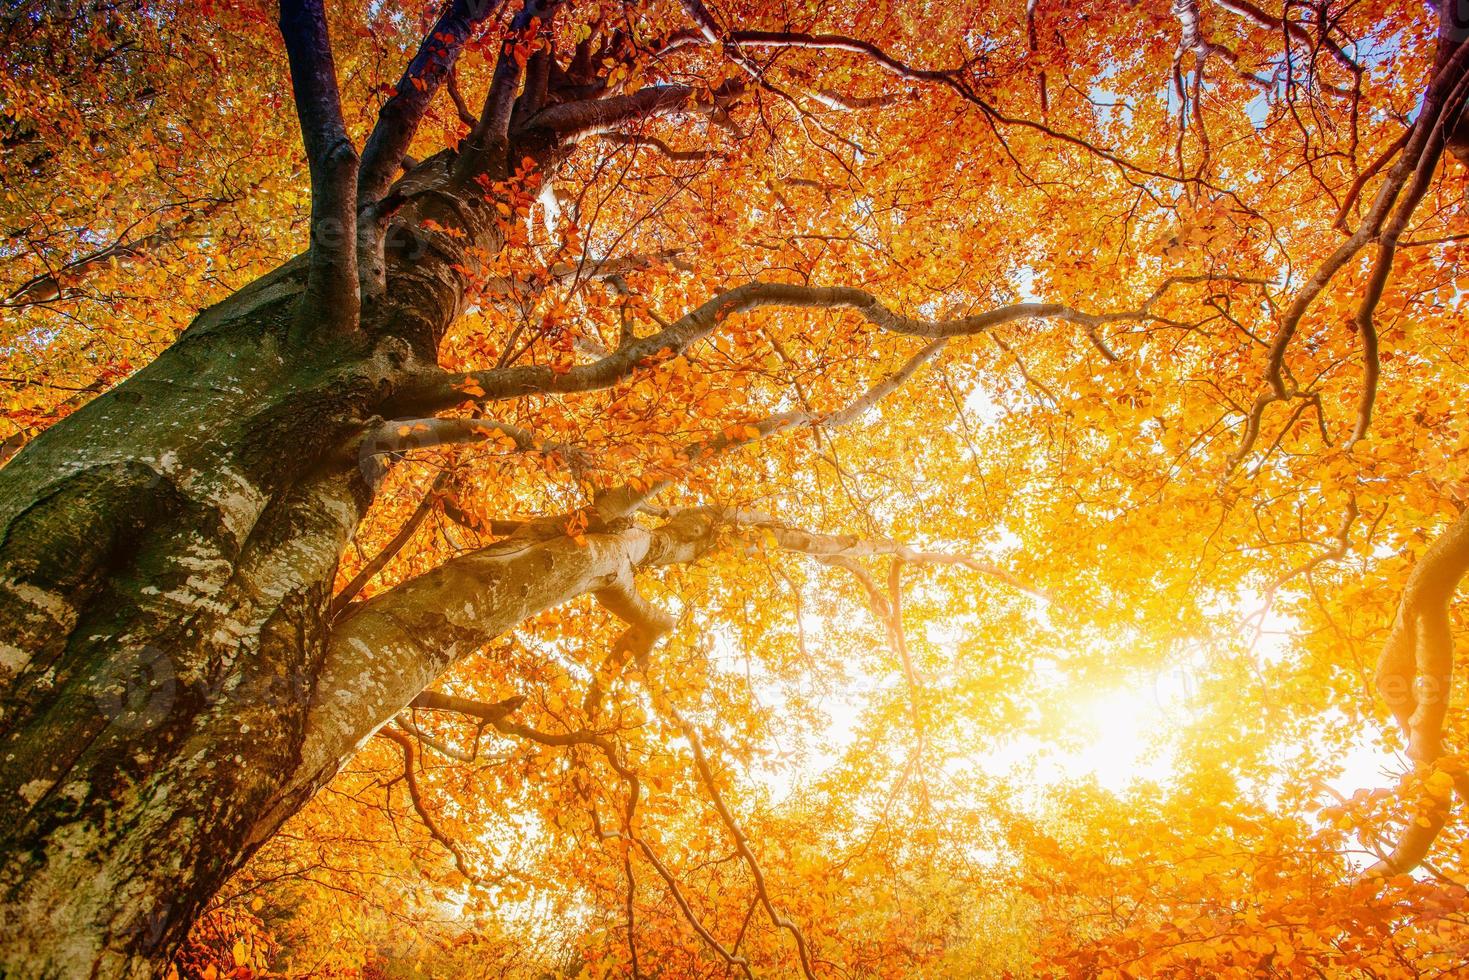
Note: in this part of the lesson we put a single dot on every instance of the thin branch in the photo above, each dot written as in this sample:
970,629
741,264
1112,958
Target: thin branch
948,78
50,285
637,140
426,740
390,550
1355,191
420,806
451,82
524,289
619,502
888,608
729,956
849,546
642,615
742,844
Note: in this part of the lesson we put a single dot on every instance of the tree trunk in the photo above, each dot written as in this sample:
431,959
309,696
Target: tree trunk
172,688
166,556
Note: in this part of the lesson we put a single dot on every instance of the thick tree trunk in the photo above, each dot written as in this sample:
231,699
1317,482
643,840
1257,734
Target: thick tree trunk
171,690
166,556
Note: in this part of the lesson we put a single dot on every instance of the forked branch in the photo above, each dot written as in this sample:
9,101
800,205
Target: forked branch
416,796
489,141
1417,161
400,115
645,617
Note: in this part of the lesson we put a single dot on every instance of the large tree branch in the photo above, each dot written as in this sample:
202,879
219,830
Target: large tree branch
1418,159
1295,31
572,120
405,435
487,712
400,115
387,146
1453,34
1387,245
441,389
1415,676
331,285
485,149
383,652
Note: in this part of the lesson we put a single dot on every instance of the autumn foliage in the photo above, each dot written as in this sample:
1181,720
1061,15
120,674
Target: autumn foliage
1062,405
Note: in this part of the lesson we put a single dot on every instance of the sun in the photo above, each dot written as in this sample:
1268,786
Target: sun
1124,737
1116,737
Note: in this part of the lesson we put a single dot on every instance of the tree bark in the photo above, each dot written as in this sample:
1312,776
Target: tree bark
172,686
167,554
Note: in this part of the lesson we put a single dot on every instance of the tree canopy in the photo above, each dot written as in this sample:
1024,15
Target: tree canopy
1021,445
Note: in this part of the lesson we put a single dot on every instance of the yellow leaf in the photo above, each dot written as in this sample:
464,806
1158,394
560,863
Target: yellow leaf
1440,784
